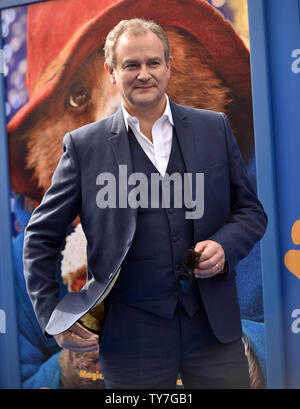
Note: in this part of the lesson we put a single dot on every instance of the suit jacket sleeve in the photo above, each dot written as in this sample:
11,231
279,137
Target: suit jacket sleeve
247,222
46,232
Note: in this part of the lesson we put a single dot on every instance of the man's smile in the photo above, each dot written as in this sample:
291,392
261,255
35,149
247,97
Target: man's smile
144,86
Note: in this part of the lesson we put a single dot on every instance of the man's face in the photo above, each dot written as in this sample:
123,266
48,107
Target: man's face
141,73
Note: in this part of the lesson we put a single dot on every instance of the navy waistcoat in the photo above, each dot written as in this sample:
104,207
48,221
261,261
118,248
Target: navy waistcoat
149,275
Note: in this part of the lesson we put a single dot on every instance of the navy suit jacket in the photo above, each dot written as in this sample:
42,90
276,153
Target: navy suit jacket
233,216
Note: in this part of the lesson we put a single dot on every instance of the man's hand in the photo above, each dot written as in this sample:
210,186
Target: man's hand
77,339
212,259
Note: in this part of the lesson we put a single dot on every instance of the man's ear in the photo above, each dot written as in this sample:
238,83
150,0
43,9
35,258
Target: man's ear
111,73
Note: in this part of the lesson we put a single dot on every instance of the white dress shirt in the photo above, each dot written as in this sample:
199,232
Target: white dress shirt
159,150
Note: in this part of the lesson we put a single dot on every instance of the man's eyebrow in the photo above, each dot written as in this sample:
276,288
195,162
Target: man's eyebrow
138,61
155,59
130,62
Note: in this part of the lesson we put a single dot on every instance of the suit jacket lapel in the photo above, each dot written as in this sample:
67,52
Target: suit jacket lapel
186,137
119,141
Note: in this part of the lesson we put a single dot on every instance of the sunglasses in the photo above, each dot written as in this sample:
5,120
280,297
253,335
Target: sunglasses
191,259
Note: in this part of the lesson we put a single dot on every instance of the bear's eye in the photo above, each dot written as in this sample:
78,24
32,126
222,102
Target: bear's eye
78,96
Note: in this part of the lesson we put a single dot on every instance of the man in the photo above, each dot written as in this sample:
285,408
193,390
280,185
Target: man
155,324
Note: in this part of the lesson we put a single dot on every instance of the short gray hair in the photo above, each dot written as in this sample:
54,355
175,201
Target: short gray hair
135,26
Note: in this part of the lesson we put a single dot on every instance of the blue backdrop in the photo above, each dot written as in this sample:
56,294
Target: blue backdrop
275,60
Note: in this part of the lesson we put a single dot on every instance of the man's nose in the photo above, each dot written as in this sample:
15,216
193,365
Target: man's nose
144,74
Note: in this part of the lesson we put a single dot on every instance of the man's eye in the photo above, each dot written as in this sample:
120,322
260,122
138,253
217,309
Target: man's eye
78,96
154,63
130,66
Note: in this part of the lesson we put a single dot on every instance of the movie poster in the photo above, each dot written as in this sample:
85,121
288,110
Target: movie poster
55,82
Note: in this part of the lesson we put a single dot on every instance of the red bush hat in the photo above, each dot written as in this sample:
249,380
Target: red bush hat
62,33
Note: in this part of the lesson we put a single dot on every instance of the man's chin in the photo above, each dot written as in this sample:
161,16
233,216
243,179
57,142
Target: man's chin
146,100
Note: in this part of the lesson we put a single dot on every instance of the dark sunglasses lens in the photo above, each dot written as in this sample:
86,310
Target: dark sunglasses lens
191,259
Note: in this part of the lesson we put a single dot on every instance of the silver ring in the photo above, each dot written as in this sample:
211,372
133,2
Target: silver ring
217,266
